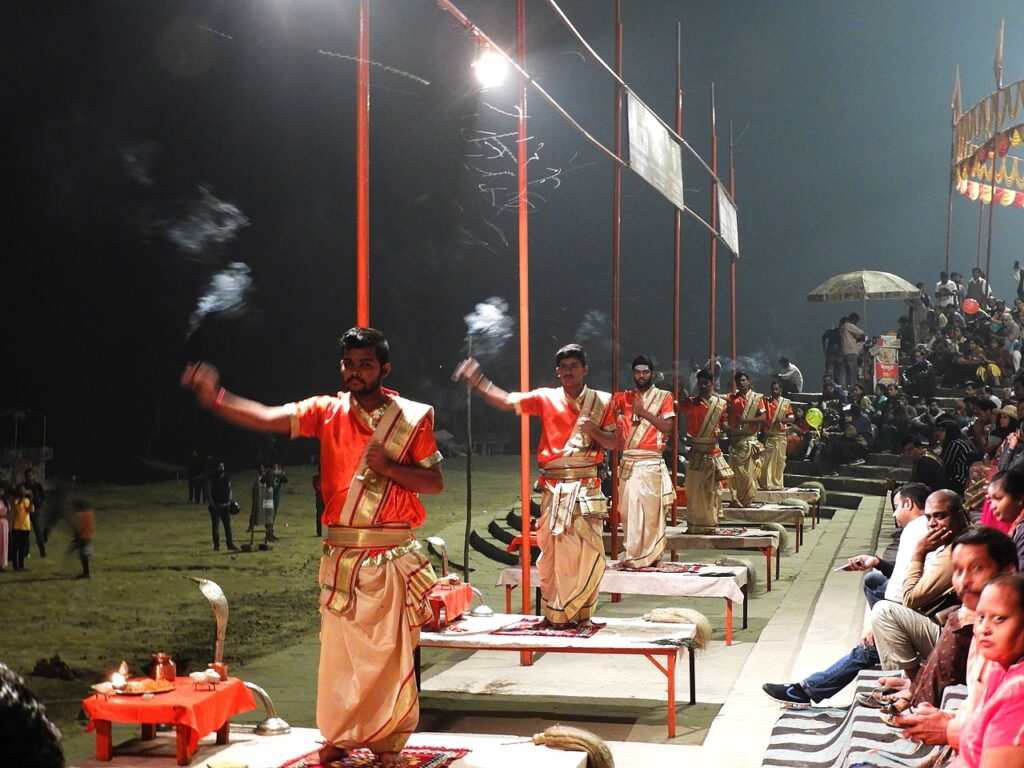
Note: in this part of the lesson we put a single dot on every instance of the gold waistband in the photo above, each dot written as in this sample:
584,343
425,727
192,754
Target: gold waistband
367,538
572,473
704,442
637,454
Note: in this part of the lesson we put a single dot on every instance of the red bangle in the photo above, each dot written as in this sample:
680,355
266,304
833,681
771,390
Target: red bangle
219,400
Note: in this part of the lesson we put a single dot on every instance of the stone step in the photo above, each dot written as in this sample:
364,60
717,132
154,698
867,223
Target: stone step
855,485
886,460
864,471
497,552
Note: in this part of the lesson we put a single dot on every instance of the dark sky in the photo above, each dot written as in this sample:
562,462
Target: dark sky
119,115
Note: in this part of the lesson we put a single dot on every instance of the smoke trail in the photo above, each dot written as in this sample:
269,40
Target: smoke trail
137,160
488,327
760,366
596,325
225,294
209,220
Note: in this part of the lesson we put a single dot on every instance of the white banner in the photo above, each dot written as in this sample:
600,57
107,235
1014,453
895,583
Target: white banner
653,153
728,226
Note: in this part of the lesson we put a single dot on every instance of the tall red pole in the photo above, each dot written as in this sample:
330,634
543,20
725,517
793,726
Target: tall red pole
713,288
732,264
363,169
677,271
524,319
616,265
954,108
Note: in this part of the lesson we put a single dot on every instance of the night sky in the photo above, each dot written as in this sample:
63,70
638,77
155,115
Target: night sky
154,149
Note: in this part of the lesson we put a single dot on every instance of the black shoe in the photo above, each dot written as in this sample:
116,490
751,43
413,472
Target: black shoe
82,576
232,548
790,695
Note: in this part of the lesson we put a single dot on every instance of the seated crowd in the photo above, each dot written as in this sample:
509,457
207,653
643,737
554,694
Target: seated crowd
947,610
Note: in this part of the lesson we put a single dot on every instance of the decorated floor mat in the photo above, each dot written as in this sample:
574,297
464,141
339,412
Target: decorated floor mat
529,627
662,568
415,757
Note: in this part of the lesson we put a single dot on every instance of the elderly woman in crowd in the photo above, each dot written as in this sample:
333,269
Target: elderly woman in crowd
994,735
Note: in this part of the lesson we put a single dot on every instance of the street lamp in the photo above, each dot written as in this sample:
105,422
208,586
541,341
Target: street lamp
490,67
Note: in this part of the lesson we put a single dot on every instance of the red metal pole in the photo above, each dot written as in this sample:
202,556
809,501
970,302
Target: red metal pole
616,267
713,289
524,317
732,264
363,169
677,272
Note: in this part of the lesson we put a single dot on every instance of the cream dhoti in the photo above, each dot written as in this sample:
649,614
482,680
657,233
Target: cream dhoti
646,494
704,472
773,462
366,686
744,461
569,534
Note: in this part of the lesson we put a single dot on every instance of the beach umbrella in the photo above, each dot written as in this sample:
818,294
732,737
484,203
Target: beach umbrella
864,285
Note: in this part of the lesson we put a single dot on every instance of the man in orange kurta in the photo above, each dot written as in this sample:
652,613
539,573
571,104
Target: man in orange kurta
745,418
377,453
706,467
644,416
575,422
778,415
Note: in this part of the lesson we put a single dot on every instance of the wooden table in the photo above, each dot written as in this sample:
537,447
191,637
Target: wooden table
732,588
767,513
620,636
194,713
765,542
779,495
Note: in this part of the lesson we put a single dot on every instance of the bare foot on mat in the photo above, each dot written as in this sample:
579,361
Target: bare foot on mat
329,753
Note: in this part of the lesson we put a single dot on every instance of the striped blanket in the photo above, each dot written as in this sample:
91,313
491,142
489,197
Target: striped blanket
833,737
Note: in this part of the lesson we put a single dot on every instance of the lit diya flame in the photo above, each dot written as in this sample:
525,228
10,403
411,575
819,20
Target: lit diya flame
120,678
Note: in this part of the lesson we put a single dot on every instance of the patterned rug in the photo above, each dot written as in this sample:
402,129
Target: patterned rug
529,626
663,568
415,757
835,737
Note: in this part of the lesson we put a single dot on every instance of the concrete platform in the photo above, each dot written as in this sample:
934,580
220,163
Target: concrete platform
811,617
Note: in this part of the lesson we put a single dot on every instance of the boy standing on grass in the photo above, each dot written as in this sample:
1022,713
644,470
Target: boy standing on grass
85,529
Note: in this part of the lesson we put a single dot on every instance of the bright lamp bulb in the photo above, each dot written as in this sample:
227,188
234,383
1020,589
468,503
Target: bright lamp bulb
491,68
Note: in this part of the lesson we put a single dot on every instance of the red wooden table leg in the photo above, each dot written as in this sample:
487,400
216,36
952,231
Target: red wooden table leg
728,621
672,695
104,745
148,731
223,733
182,753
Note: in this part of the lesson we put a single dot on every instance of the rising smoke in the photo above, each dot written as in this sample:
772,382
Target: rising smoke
488,327
209,221
208,224
226,294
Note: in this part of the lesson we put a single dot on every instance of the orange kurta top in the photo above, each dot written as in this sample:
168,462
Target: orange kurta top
558,415
771,407
696,410
652,438
344,431
736,404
